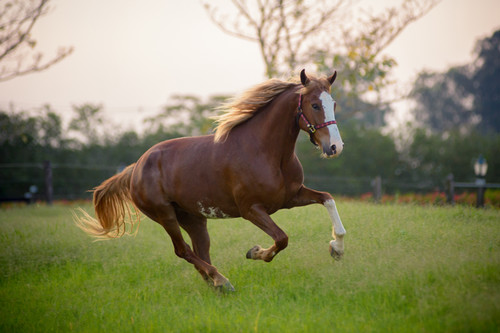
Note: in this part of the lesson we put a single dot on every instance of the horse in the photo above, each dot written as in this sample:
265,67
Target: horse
248,168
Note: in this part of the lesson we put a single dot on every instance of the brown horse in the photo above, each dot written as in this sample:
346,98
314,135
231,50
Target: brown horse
247,169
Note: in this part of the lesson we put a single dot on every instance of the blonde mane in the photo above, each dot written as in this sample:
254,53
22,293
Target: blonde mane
245,106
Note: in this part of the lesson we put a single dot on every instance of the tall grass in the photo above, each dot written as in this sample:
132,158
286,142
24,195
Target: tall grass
406,268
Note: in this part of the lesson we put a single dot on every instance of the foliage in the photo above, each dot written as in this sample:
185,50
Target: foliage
281,28
88,121
290,33
27,138
491,198
464,97
17,19
362,75
486,81
444,101
82,154
431,157
186,115
90,149
367,154
406,269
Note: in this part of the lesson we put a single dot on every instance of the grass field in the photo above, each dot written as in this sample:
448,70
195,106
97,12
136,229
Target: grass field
406,269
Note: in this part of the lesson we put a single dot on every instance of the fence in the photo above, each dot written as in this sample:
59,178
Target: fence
30,182
46,181
480,184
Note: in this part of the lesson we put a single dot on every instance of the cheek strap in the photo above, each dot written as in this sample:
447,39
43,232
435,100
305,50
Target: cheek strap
311,129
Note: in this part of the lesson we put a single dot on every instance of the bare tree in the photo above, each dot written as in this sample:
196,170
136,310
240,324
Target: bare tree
17,19
290,32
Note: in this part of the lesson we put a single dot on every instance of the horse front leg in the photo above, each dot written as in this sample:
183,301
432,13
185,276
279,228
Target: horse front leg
305,197
258,216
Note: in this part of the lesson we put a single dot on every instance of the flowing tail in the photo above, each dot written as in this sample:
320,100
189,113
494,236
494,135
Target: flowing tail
112,210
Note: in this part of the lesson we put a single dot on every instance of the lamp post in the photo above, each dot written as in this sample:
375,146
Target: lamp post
480,169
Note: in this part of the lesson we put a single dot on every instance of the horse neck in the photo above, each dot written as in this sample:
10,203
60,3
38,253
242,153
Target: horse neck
274,128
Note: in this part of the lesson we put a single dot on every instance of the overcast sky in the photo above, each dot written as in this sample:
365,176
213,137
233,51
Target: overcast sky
131,55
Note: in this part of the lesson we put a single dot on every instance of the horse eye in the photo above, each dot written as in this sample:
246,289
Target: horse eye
315,106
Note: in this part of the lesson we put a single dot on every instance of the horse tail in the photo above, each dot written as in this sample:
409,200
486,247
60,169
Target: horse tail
113,213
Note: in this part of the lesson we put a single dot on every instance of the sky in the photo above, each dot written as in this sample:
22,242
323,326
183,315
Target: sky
131,55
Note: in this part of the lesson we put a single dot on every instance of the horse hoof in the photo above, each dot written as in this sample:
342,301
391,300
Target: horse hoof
337,255
225,288
251,253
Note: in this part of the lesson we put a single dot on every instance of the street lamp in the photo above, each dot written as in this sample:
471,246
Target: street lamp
480,166
480,169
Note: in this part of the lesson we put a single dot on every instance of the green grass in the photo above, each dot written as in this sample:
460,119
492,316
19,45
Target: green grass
406,268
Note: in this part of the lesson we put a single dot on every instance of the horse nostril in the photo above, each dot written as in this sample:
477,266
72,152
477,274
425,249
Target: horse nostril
334,149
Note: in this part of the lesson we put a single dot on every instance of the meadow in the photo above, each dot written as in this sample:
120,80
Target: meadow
407,268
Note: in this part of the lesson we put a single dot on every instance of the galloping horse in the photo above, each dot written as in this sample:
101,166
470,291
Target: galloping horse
248,169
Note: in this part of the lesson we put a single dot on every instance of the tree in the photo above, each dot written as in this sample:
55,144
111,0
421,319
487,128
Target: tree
17,19
186,115
50,128
362,78
289,32
431,156
486,80
463,97
88,123
279,27
444,101
26,137
368,154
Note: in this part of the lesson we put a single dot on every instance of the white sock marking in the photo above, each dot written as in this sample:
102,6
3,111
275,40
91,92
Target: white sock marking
338,228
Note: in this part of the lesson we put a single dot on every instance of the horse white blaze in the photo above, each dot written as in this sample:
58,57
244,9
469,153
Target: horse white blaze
338,229
329,109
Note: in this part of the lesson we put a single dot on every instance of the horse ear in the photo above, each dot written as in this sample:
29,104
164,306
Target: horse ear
303,78
332,78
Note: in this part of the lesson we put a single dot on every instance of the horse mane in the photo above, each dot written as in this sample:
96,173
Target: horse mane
244,107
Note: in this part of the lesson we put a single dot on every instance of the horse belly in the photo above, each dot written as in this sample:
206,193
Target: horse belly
197,185
205,198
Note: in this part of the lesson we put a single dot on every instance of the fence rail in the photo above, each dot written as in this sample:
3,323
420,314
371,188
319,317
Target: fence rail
59,181
480,184
48,181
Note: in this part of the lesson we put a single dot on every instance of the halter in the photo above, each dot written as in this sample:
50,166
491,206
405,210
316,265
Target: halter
311,129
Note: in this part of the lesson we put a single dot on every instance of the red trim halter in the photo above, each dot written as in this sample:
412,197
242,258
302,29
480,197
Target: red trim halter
310,127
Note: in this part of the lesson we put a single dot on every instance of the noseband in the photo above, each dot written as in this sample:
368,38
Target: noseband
311,129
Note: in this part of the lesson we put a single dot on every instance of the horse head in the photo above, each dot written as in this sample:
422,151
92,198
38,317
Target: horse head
317,112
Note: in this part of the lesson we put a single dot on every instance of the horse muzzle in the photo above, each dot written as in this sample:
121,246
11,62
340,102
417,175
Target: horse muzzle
334,150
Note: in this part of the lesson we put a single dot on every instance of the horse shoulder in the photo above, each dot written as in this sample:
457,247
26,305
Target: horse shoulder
293,176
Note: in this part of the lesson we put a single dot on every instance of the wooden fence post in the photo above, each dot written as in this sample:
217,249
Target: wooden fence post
450,189
377,189
49,190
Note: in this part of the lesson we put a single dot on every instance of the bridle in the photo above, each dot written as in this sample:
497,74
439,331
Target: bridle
311,129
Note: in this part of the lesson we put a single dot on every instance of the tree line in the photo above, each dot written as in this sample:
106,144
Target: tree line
86,151
424,161
456,116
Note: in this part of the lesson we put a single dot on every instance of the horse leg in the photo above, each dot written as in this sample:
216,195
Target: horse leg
258,216
196,227
305,197
182,250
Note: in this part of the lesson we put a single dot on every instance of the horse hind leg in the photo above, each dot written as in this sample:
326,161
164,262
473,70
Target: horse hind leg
183,250
196,227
